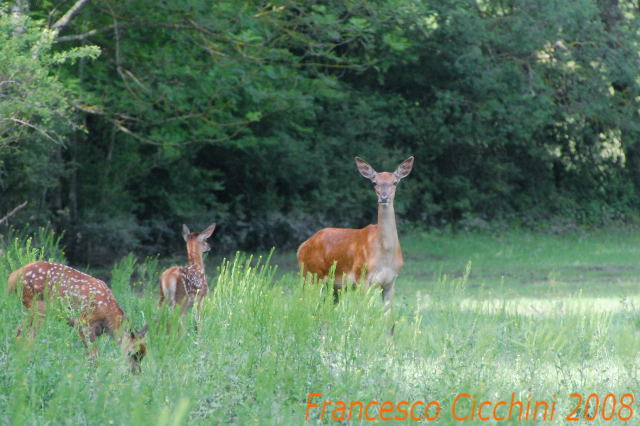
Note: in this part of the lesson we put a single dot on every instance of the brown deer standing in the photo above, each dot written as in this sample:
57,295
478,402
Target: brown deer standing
98,309
183,284
373,252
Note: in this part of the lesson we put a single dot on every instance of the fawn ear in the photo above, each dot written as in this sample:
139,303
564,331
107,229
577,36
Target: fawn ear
135,333
206,233
404,168
185,233
365,169
143,331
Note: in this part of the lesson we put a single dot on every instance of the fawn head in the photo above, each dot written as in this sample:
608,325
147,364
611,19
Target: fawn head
136,349
197,242
385,182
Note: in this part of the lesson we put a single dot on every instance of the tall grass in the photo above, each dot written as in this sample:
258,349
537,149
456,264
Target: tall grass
262,344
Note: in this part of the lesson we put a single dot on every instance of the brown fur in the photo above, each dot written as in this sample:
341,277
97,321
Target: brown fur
182,285
99,310
372,253
355,251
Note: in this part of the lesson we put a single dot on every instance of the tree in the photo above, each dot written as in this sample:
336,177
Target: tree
35,111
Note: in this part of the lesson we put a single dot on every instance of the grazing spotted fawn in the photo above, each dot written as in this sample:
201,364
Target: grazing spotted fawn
372,252
90,297
183,284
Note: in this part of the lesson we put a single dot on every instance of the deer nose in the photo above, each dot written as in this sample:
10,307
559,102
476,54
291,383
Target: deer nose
384,198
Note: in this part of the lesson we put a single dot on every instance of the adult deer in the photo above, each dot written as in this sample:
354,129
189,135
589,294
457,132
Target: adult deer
373,252
182,284
88,296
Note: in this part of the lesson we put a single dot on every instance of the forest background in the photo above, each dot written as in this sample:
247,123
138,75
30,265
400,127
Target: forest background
121,120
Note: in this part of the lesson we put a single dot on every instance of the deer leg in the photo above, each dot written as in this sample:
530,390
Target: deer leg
92,339
27,300
84,327
171,292
186,303
199,297
35,319
198,301
336,295
83,337
387,298
82,331
337,288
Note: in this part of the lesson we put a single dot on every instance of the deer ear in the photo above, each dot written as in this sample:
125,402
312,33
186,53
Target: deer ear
404,168
185,233
365,169
207,232
143,331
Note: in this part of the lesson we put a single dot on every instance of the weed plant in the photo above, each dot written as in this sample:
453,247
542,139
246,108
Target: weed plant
265,341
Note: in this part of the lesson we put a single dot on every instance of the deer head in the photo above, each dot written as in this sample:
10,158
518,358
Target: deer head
136,348
385,182
197,242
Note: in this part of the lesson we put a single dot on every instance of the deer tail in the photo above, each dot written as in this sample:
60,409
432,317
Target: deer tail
13,279
161,292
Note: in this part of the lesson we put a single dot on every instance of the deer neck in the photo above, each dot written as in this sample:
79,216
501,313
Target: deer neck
387,225
195,260
115,325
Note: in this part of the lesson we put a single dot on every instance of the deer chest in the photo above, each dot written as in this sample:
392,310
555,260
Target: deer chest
383,275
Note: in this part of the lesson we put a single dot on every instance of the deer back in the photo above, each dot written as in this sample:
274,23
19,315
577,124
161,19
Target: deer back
84,292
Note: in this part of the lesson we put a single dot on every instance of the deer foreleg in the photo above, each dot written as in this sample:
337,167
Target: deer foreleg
83,337
387,298
84,328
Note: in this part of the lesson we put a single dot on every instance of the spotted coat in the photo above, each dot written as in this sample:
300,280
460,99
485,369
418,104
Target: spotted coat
193,279
183,285
90,298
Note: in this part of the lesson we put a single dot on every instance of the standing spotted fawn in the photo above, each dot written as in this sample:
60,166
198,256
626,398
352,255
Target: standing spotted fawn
182,284
90,297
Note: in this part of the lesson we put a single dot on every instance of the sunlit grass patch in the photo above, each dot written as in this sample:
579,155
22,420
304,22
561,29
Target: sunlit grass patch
577,305
264,341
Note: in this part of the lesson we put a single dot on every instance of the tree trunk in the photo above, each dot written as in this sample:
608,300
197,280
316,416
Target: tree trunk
19,10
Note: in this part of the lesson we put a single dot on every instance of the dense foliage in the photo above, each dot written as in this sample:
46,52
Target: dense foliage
249,113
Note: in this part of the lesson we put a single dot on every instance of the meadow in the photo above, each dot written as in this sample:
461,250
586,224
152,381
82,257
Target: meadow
495,316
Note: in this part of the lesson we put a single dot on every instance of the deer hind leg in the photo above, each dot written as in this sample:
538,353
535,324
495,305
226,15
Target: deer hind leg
199,301
188,300
346,282
36,315
341,283
170,289
337,289
197,312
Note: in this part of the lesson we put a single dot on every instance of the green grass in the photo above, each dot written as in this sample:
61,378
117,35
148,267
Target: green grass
533,314
602,262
